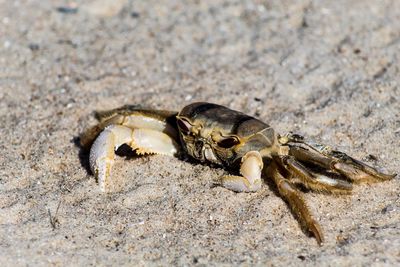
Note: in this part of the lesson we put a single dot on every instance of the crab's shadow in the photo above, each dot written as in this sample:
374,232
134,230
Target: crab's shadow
83,155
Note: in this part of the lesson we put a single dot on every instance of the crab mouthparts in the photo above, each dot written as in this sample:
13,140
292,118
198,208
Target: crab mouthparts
209,155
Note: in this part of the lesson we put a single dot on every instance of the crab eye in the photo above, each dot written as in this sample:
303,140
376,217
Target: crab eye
228,142
184,126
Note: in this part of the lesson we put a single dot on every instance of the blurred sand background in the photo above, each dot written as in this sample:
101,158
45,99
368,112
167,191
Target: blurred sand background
326,69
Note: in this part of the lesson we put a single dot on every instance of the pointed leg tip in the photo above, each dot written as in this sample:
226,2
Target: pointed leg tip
316,231
320,238
362,173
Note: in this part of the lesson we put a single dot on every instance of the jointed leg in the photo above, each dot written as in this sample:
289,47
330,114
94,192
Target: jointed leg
250,169
311,180
294,150
145,141
340,163
296,202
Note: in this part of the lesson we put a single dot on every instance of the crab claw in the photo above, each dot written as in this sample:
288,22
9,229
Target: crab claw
144,141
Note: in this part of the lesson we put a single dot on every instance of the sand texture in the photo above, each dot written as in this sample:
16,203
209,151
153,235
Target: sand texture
328,70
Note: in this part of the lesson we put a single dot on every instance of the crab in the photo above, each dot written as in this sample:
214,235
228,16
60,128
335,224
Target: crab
249,148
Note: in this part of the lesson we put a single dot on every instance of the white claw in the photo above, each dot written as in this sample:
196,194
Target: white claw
153,142
252,166
102,152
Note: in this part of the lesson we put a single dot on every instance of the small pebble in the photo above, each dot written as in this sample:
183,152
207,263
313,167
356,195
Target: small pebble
301,257
388,209
7,44
135,15
104,8
5,20
67,9
33,47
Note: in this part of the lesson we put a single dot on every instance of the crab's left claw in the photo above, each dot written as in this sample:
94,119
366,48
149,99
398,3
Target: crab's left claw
144,141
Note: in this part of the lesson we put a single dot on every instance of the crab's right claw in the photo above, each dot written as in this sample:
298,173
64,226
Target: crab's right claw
250,170
144,141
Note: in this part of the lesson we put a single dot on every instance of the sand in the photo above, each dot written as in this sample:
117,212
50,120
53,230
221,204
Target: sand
328,70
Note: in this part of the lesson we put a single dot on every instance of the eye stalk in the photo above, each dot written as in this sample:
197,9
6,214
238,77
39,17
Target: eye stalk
184,125
228,142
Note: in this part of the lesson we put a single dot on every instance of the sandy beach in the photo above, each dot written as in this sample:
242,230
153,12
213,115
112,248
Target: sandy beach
328,70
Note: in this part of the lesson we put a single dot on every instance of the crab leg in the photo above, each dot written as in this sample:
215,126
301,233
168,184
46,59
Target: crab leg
316,182
296,202
250,169
145,141
341,163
